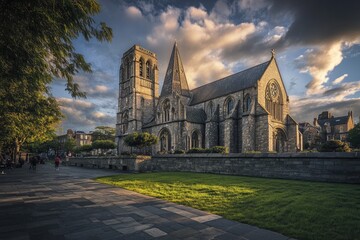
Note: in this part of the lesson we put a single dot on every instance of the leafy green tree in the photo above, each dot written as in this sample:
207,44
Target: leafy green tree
335,146
103,144
354,136
36,39
84,148
69,145
36,47
103,133
140,140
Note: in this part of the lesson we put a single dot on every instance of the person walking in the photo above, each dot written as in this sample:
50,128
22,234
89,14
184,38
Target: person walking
57,162
33,163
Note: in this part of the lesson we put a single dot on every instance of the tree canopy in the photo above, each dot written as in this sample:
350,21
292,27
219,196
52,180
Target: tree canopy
103,144
335,146
354,136
36,39
36,47
140,140
103,133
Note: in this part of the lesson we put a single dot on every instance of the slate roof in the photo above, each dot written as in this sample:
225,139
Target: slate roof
334,121
195,115
175,78
233,83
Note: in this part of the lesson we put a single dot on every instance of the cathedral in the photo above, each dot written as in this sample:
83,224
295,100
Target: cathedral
247,111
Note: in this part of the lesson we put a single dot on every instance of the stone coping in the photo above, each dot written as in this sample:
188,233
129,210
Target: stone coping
355,155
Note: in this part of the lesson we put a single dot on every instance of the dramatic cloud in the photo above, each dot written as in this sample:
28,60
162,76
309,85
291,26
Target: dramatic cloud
340,79
338,100
319,22
318,63
206,41
80,115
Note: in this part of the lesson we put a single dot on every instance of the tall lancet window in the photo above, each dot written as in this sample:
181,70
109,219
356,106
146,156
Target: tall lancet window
166,110
141,67
247,103
273,99
128,68
148,69
125,122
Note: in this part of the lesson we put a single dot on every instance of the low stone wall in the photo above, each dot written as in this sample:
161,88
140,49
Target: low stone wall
111,162
329,167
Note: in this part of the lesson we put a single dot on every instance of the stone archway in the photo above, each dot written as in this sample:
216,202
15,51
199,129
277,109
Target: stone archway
195,143
165,140
280,141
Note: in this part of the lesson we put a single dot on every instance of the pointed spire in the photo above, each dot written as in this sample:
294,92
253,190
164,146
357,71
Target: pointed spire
175,78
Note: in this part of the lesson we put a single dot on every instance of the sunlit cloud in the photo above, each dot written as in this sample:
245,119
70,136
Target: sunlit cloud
133,12
340,79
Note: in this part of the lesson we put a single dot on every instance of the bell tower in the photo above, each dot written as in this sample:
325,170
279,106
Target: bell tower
138,91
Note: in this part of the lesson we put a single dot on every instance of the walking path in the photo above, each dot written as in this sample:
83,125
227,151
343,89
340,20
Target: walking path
67,204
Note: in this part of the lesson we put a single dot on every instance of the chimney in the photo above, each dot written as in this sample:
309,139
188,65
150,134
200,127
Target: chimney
315,122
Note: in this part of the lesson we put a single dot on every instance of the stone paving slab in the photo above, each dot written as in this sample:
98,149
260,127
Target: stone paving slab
68,204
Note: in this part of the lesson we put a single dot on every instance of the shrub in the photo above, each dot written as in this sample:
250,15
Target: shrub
335,146
140,140
219,149
179,151
103,144
199,150
354,136
256,152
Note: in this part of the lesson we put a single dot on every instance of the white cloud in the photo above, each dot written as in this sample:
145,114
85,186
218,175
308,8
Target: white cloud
133,12
339,79
319,62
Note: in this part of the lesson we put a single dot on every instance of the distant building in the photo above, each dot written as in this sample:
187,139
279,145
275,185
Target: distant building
81,138
311,134
334,128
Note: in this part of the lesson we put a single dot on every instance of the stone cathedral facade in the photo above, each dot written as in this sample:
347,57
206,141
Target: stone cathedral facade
247,111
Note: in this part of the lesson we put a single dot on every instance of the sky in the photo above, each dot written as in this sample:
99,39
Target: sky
317,45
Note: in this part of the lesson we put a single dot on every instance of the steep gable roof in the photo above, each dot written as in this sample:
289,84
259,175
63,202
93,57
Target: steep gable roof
195,115
233,83
334,121
175,78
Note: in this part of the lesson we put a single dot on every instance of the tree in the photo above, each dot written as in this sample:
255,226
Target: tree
84,148
69,145
36,47
36,39
354,136
103,144
335,146
140,140
103,133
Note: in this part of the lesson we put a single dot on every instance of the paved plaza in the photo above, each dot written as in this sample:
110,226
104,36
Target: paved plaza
68,204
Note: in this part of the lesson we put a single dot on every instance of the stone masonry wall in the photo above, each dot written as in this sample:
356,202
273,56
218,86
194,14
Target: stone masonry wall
329,167
326,167
122,163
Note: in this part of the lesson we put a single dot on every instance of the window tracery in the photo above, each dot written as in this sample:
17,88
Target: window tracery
273,99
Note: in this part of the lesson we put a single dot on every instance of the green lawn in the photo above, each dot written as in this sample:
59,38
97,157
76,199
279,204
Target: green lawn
299,209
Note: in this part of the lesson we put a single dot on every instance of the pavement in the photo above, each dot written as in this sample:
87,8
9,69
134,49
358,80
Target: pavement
68,204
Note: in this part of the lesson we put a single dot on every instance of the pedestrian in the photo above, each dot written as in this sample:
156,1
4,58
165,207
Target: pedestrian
33,161
57,162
